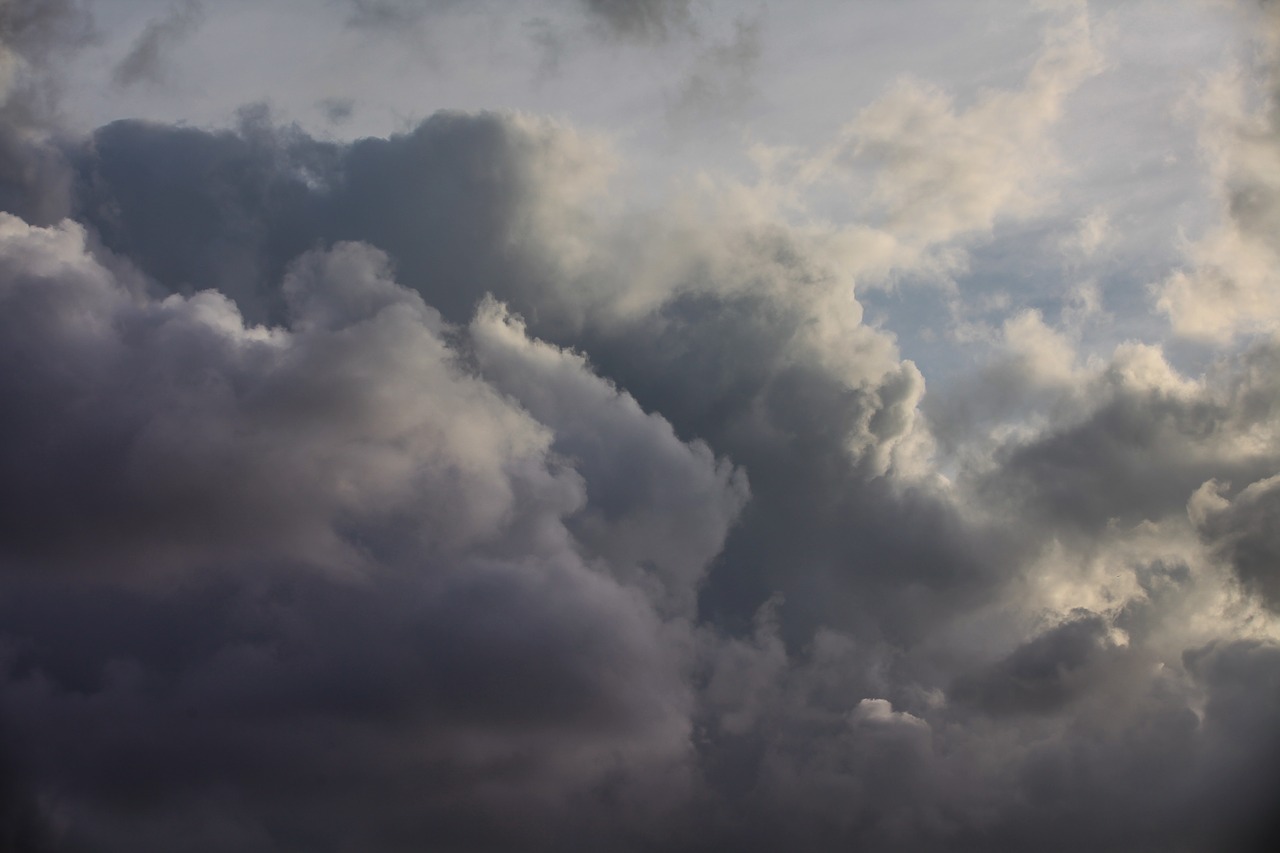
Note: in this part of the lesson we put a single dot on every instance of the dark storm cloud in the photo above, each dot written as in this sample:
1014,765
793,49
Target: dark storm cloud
460,203
24,825
1243,683
300,545
145,60
394,494
230,210
1129,765
380,714
818,527
219,439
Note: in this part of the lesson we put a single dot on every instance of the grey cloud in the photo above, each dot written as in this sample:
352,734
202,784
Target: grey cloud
34,34
337,110
1088,747
648,507
498,693
350,555
639,19
1245,531
220,441
24,825
1243,680
30,29
721,81
450,201
389,14
35,180
146,59
469,204
1044,673
817,527
581,471
377,545
1146,440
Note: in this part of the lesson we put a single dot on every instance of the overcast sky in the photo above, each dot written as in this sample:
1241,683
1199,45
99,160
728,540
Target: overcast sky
639,425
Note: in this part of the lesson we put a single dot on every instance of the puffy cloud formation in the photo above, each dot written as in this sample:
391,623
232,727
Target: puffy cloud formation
945,170
343,492
1229,286
456,489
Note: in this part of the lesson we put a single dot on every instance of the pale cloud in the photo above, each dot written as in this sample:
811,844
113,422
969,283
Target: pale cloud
942,170
1230,286
1091,232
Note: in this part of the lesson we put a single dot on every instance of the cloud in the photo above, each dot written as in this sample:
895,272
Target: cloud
1112,440
941,171
1044,673
449,490
231,210
1243,531
203,451
645,20
445,553
419,550
658,509
31,32
1229,286
390,14
337,110
720,83
145,60
1092,231
34,36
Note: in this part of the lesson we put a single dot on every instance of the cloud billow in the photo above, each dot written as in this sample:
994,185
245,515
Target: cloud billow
428,492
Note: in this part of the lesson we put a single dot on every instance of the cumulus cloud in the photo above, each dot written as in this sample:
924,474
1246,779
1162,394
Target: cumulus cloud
1144,438
1228,286
942,170
448,490
368,498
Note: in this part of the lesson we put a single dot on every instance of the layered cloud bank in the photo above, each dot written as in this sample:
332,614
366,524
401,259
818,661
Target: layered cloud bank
457,490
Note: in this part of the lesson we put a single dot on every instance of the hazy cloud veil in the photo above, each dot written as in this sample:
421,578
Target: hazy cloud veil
797,427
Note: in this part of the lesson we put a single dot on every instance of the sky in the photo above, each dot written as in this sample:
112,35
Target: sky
639,425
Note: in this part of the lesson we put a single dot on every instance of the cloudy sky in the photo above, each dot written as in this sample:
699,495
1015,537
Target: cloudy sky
639,425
